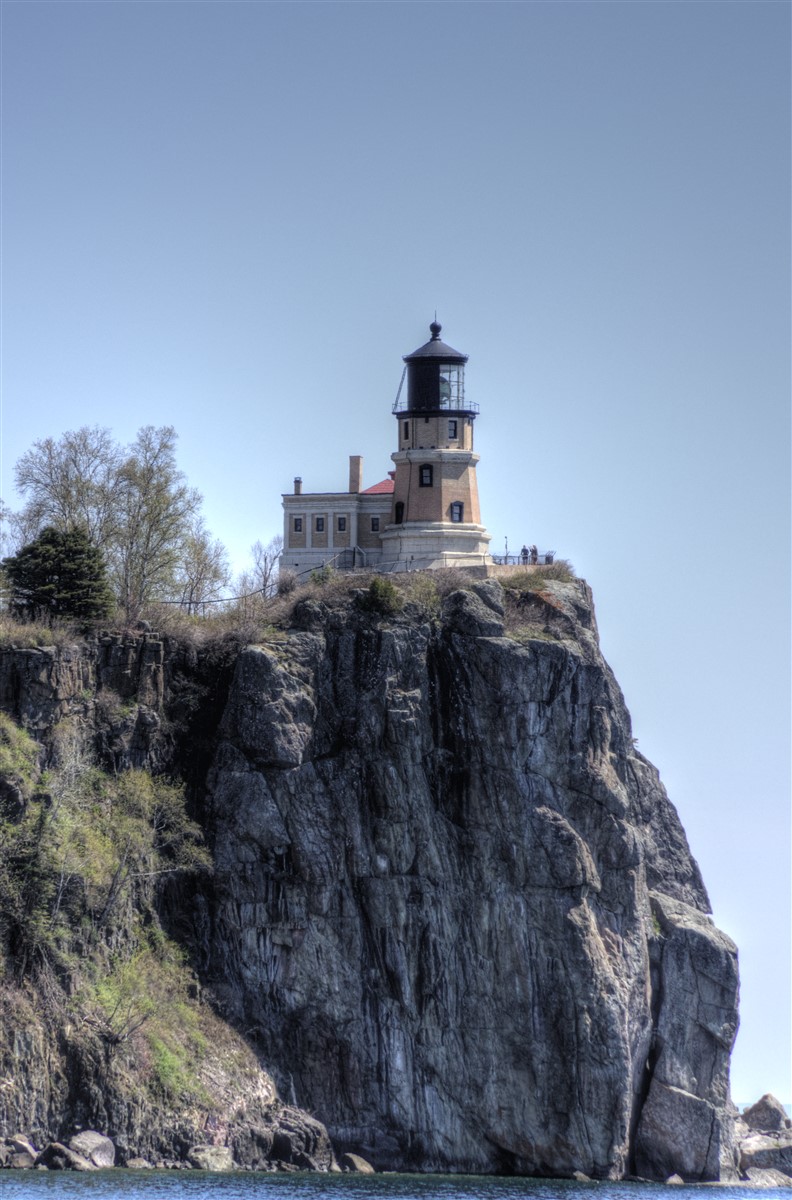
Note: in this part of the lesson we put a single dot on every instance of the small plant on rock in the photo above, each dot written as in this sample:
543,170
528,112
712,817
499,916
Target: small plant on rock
381,597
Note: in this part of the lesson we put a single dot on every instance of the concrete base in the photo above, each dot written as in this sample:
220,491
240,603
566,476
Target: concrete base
419,546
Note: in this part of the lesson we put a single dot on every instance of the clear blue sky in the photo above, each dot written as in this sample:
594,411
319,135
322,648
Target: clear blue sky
236,218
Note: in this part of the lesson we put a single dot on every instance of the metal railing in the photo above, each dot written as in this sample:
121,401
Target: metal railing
402,405
543,559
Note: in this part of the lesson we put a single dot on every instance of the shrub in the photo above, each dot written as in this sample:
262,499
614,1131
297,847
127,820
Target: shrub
450,579
381,597
287,582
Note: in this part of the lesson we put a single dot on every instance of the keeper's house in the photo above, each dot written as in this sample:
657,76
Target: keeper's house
425,514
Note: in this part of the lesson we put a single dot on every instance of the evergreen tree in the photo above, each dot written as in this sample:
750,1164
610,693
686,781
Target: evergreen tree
60,574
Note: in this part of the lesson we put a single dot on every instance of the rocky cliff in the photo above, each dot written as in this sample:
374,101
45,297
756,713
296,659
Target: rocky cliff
451,904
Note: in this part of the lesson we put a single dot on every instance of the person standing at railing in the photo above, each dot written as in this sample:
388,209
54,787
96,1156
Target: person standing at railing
524,556
534,555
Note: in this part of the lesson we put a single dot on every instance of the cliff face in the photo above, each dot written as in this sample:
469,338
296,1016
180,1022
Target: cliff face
451,904
455,903
102,1022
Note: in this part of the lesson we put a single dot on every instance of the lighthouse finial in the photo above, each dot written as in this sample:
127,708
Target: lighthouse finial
435,328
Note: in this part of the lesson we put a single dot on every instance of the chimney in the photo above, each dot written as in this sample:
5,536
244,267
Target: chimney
297,485
355,473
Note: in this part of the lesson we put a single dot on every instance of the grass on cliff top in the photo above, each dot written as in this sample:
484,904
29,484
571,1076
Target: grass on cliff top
35,634
256,618
262,619
534,580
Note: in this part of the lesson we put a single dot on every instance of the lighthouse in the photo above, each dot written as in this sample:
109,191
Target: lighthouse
435,519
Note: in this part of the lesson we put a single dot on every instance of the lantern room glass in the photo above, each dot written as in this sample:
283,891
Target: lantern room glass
452,385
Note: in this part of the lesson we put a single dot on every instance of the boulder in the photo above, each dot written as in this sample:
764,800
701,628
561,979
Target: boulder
767,1115
773,1151
475,615
766,1177
57,1157
355,1164
211,1158
97,1148
21,1160
21,1145
139,1164
300,1140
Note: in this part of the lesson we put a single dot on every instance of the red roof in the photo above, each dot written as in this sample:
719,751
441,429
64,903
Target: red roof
383,488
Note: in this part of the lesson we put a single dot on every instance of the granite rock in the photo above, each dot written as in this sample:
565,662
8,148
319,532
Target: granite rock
94,1146
454,905
768,1115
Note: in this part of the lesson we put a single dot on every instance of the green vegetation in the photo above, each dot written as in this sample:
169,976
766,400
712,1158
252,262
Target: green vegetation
18,759
141,1001
83,856
382,597
59,574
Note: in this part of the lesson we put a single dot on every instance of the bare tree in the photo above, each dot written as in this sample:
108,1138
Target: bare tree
71,483
265,565
136,507
203,569
156,508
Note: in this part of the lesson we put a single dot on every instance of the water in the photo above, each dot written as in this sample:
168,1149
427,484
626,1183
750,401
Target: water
192,1185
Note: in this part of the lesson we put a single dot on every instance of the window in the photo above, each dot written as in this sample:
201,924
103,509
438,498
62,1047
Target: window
452,386
375,524
457,511
452,429
425,478
342,524
298,524
320,524
399,512
406,429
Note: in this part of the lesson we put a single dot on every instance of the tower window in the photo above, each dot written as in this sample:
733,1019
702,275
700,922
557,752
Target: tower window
406,429
398,515
342,524
375,524
452,429
425,478
452,386
298,524
457,511
320,524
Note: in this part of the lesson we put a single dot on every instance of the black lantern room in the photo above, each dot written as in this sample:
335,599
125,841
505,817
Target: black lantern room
435,379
